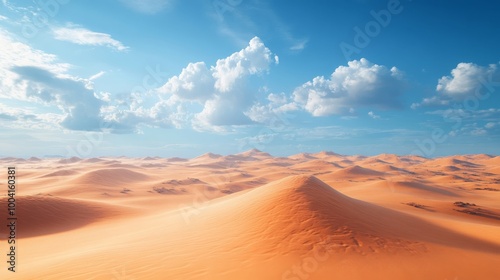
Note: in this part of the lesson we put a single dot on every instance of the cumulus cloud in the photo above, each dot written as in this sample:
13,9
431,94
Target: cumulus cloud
253,59
204,97
222,111
195,82
466,80
359,84
221,89
207,98
82,36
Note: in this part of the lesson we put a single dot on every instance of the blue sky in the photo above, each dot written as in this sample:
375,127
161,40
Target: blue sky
182,78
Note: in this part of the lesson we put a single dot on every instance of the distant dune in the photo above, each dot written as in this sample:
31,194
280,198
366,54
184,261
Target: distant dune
357,171
112,176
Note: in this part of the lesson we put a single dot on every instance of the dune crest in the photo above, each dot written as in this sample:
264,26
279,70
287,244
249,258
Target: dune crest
291,214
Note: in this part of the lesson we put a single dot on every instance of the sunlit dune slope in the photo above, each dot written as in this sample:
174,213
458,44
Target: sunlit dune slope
44,215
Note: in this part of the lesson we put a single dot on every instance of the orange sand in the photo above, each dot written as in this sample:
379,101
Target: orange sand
254,216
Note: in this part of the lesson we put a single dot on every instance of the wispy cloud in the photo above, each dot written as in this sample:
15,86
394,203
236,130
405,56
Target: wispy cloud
82,36
299,45
97,75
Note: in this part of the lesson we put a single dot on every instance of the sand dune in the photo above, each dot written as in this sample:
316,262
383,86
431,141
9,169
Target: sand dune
279,211
60,173
317,165
255,153
204,157
493,161
69,160
357,171
92,160
421,189
388,168
177,159
325,154
302,156
44,215
373,161
255,216
447,161
110,177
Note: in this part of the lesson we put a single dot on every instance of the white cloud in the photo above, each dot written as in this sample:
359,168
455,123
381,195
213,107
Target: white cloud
195,82
82,36
469,115
206,98
16,54
31,75
373,115
222,111
431,101
479,132
14,117
466,80
71,95
96,76
253,59
490,125
221,90
360,84
147,6
274,112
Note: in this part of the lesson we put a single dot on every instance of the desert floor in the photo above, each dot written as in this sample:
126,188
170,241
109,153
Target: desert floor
255,216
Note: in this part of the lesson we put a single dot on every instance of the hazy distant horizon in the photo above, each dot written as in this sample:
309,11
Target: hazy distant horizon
224,155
